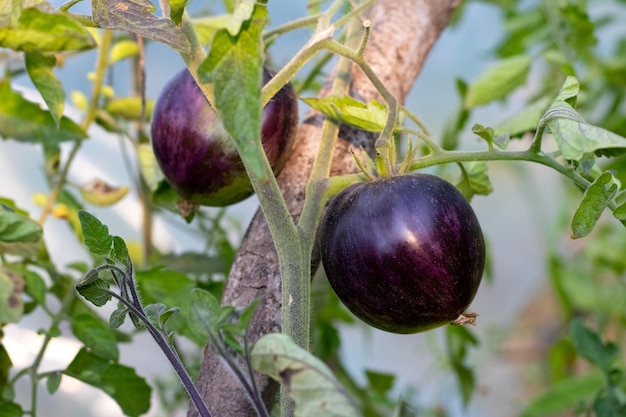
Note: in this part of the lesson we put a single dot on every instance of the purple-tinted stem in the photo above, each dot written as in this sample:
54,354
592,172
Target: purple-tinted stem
171,355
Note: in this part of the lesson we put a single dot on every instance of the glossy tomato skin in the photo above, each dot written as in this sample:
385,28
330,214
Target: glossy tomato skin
405,254
195,153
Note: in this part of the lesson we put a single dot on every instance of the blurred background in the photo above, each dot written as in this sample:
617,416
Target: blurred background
521,219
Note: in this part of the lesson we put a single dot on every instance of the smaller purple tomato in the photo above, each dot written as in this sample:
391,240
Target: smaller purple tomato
405,254
198,157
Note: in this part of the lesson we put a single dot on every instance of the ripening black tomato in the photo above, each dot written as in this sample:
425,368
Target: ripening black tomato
405,254
197,156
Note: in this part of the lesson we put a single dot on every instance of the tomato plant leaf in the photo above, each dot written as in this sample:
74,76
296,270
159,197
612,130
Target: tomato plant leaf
589,346
171,288
235,67
497,81
38,31
370,116
95,290
26,121
39,69
569,91
307,380
177,8
119,253
136,16
205,311
129,108
95,234
96,336
11,409
595,199
11,300
53,381
122,383
620,213
35,286
474,179
380,382
575,137
242,13
564,395
484,132
122,50
207,26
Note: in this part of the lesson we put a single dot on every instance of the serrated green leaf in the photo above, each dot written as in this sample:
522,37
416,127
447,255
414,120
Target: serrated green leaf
37,31
159,314
95,234
96,336
129,108
53,381
25,121
136,16
129,390
118,316
370,116
11,300
122,50
119,253
235,67
171,288
564,395
306,379
589,346
39,68
474,179
95,291
497,81
595,199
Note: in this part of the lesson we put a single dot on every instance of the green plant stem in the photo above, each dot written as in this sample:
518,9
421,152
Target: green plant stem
300,23
90,116
314,197
66,303
444,157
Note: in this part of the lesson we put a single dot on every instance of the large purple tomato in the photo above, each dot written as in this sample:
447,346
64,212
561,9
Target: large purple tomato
197,156
405,254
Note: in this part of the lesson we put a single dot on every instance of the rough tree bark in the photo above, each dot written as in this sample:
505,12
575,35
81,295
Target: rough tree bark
402,34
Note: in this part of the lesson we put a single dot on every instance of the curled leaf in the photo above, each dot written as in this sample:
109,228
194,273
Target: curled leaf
99,193
307,380
596,198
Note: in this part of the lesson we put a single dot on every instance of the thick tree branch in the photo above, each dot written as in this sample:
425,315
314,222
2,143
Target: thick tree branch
402,34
